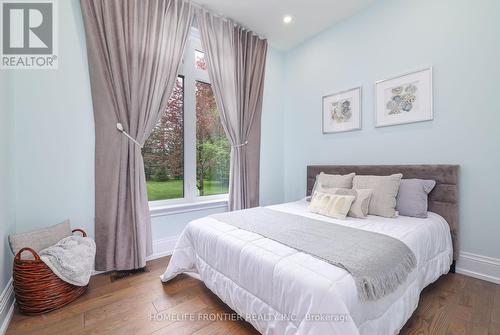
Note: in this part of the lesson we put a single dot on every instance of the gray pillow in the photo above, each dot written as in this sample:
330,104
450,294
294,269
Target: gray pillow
385,190
359,208
412,197
39,239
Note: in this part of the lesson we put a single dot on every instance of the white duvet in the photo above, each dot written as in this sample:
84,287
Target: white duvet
282,291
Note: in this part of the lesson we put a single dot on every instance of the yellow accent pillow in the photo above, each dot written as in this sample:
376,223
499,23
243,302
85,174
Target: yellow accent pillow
333,205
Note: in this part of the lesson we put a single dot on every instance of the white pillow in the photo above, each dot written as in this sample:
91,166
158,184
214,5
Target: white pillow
332,205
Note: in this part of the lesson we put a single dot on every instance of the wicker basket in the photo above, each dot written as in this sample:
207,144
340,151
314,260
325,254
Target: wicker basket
38,290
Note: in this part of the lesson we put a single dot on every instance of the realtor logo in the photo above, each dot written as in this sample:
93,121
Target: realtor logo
29,39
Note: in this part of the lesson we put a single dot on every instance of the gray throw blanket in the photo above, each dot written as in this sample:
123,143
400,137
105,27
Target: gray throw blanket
378,263
71,259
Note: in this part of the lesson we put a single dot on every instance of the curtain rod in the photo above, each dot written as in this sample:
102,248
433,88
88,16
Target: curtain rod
223,17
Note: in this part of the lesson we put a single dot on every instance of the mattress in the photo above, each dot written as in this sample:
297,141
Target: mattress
280,290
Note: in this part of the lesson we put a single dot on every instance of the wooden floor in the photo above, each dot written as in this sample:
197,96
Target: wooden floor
455,304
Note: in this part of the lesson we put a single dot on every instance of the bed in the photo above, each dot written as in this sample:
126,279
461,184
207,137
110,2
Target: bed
280,290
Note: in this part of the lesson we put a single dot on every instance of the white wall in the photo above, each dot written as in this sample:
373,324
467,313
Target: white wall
459,38
55,138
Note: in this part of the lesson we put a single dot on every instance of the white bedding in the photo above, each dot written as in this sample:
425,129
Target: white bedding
282,291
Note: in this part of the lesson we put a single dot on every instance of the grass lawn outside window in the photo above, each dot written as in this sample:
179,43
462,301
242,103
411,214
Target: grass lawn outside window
172,189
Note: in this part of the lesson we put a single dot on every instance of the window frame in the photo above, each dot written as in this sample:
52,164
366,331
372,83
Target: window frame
191,201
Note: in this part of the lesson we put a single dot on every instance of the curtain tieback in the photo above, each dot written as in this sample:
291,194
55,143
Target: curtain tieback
237,146
119,126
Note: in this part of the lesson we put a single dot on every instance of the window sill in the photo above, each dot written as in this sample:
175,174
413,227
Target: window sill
158,210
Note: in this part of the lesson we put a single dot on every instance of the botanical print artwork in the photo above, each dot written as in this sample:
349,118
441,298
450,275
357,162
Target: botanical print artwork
341,110
402,99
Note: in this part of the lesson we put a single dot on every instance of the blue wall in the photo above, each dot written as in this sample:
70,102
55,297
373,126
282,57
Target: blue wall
54,134
7,221
272,156
460,39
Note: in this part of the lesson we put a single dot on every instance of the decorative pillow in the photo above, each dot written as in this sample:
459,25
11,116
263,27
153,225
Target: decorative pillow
332,205
385,190
333,180
413,196
359,208
39,239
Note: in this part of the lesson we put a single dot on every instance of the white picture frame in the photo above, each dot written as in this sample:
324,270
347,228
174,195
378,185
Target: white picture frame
404,99
341,111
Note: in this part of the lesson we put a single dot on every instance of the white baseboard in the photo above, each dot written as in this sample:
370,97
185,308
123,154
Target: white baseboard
6,307
163,247
477,266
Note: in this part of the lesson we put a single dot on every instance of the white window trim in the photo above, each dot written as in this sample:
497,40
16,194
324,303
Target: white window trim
191,201
170,207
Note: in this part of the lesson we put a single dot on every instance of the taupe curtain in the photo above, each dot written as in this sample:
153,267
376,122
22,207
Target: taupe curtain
135,49
236,65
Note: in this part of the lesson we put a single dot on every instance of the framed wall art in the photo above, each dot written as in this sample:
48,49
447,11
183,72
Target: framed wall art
342,111
404,99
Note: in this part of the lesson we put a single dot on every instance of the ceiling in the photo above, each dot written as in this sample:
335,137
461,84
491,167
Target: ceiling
265,17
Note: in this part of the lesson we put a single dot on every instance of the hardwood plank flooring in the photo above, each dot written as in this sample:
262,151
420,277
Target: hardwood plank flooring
141,304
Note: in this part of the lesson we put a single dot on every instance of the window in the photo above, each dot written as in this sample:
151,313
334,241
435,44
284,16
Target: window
163,151
199,60
212,146
187,154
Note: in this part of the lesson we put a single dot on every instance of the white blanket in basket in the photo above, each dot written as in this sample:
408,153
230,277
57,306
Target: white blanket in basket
71,259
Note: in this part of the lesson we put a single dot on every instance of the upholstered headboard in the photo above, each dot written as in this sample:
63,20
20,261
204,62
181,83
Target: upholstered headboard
443,199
